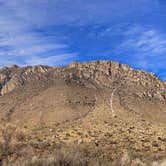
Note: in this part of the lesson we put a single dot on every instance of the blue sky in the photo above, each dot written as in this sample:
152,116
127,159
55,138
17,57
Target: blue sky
57,32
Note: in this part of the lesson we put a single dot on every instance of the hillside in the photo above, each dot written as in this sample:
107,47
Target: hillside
107,107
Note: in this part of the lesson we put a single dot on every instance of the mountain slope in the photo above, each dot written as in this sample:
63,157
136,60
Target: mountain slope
108,108
28,92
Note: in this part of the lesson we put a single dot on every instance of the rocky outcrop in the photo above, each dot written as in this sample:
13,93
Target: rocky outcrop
13,77
7,83
108,74
105,74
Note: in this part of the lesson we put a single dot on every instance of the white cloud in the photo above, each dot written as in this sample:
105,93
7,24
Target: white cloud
60,12
146,42
146,48
60,59
20,44
29,44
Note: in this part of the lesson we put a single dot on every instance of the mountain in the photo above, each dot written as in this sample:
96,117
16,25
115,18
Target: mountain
45,89
103,103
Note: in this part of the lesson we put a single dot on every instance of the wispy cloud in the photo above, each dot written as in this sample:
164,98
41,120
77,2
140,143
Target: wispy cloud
59,60
60,12
20,43
146,41
28,46
146,48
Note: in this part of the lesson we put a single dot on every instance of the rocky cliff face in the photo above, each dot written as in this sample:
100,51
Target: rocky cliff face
8,79
108,73
14,77
105,74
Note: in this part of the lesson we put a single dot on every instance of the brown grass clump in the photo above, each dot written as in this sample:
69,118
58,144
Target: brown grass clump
63,156
7,132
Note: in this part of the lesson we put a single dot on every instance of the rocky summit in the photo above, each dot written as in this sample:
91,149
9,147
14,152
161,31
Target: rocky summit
92,113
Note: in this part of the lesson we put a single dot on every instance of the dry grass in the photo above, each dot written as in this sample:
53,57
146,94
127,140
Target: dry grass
7,133
15,150
65,156
73,155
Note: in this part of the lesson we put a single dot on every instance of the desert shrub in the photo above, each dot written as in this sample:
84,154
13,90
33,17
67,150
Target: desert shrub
159,163
7,132
20,136
125,159
62,156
